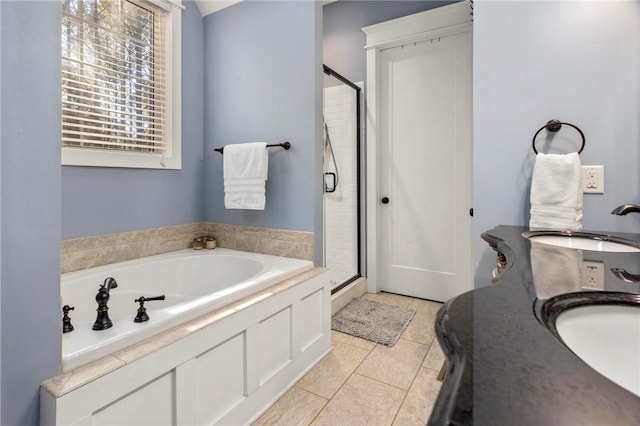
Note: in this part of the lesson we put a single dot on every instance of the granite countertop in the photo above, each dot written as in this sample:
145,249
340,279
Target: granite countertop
505,366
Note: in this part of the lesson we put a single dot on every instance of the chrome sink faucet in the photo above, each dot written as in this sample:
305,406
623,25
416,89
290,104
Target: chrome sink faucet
102,320
626,208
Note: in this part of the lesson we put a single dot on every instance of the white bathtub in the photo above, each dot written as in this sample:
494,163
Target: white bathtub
194,283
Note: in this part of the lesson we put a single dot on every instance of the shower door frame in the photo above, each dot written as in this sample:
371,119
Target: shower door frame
359,194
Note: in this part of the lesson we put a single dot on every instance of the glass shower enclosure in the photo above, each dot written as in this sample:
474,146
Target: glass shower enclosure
341,172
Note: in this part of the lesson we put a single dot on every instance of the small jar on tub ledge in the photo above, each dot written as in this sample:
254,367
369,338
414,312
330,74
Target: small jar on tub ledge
209,242
198,243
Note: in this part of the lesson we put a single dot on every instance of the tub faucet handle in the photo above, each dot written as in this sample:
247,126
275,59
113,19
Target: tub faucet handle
142,315
66,321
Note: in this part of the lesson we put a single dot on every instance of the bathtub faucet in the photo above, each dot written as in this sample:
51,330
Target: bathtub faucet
626,208
102,320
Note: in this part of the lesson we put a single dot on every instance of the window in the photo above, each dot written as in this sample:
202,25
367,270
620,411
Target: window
121,83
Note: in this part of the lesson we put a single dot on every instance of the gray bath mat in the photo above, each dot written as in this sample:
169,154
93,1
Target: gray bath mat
378,322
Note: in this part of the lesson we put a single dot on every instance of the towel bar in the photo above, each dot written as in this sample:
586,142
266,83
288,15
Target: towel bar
554,126
285,145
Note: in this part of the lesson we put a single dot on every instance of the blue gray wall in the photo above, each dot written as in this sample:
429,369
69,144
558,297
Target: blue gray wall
263,80
30,204
344,41
534,61
100,200
0,212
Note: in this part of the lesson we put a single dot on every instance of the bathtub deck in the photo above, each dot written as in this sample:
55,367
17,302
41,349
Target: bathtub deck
67,382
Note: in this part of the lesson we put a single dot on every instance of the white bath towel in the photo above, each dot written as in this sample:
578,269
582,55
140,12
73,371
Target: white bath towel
245,173
556,192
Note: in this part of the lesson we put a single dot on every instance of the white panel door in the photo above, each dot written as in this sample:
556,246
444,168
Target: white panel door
425,168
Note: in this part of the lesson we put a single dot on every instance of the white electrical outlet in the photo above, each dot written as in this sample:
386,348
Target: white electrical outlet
593,275
593,179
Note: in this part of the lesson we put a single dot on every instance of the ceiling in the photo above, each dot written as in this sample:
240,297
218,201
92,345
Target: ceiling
210,6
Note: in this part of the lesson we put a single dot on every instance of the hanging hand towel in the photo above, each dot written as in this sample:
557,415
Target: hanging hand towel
556,195
245,173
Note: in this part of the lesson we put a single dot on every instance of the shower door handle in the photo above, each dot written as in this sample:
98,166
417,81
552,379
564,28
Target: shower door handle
332,186
384,200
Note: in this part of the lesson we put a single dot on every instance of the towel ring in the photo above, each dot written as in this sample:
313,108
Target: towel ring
554,126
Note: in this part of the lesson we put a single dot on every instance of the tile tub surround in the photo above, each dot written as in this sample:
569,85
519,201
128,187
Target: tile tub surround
83,253
504,364
277,242
352,384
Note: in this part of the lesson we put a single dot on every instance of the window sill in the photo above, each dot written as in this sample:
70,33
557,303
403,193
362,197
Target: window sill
95,158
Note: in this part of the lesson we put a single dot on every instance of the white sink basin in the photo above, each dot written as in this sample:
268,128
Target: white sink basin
593,243
607,337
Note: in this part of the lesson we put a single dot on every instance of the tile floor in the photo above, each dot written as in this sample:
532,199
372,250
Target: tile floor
362,383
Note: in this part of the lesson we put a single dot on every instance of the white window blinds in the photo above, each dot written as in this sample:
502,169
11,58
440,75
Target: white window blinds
114,76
